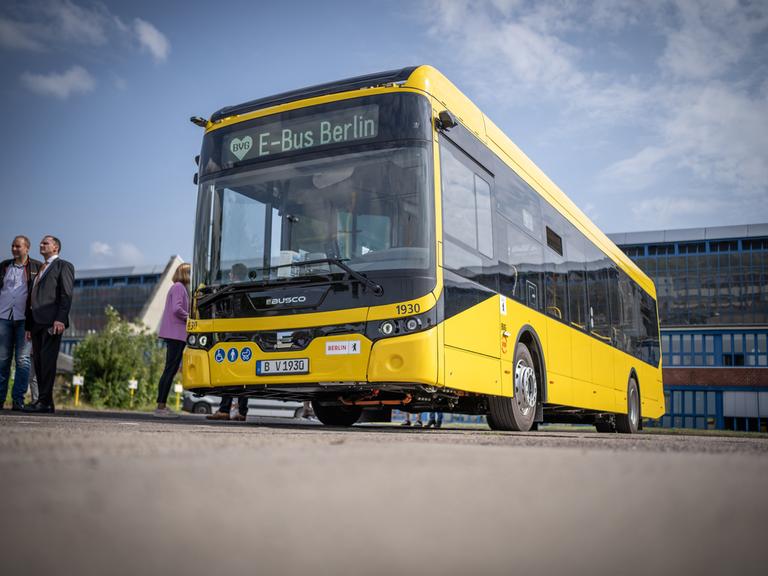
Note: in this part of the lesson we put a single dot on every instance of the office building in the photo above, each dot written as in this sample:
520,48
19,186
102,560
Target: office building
712,287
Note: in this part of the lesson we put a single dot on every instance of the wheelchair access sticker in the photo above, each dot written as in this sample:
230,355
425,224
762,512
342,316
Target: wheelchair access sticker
219,356
245,354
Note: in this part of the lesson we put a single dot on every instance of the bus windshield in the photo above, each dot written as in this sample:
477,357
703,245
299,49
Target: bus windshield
369,208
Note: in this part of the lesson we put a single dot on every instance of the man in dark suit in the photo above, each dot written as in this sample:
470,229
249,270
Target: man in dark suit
47,318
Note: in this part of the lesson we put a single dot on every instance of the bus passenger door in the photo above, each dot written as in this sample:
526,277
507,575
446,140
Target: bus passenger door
470,301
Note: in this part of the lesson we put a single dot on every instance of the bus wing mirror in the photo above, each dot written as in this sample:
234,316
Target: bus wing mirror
445,121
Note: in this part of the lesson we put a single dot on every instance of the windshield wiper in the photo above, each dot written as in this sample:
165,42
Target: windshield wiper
375,287
240,286
224,290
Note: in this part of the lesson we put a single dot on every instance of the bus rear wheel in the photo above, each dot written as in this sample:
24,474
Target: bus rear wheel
336,414
629,423
517,413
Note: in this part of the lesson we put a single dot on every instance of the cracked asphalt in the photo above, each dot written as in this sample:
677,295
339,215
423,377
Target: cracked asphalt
123,493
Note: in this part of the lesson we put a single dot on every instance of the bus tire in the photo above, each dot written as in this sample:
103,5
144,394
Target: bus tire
336,414
201,408
605,427
517,413
629,423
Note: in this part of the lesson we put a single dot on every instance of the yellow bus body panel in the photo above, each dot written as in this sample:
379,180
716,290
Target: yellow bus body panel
410,358
472,342
470,371
476,329
195,369
559,357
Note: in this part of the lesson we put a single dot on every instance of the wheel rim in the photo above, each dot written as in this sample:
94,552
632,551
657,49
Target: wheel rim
525,387
634,411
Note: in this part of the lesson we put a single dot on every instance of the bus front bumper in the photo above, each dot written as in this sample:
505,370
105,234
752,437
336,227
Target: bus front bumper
351,358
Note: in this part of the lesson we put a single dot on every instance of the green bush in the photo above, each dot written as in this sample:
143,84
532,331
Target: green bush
109,359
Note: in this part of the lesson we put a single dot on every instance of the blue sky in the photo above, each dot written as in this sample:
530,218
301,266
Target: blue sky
648,114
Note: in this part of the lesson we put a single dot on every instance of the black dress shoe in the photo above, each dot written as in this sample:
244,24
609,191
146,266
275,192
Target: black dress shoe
39,408
17,407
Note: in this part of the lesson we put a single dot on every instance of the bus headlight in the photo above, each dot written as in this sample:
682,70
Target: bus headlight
387,328
199,341
399,326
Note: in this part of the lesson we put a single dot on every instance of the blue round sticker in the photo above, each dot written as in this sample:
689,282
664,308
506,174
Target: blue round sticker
232,354
219,356
245,354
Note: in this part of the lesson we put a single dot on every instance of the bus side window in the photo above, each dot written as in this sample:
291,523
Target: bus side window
519,203
649,345
458,184
597,288
556,294
521,260
577,295
467,214
577,280
629,313
467,217
617,331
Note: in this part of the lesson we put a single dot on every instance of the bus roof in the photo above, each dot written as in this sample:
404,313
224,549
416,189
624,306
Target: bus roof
356,83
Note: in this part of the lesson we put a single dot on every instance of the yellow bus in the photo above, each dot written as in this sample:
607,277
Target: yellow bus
378,243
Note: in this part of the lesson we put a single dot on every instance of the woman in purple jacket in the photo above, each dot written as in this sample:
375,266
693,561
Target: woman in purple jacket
173,329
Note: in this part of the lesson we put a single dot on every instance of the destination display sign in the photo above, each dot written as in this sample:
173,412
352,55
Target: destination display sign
343,126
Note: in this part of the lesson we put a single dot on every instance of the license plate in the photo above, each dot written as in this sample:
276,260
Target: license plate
287,366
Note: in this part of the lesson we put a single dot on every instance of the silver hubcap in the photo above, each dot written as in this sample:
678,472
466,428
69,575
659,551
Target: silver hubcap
633,408
525,387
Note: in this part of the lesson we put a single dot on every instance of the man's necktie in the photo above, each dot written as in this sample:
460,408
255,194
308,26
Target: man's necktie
40,272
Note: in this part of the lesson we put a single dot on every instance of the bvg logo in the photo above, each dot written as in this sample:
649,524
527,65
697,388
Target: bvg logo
286,300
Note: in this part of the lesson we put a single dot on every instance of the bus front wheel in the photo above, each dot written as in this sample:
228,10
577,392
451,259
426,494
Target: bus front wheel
629,423
336,414
517,413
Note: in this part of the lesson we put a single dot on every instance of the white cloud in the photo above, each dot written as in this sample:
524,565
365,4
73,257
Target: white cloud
715,133
710,36
636,172
80,25
46,25
128,254
75,80
152,40
19,36
516,52
100,249
669,211
698,115
123,254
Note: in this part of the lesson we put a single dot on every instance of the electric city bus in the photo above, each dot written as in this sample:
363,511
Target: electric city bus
378,243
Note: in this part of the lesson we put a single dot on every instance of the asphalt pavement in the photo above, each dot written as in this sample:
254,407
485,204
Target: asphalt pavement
110,493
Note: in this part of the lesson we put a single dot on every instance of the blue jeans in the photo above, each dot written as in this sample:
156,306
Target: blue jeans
12,342
436,416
